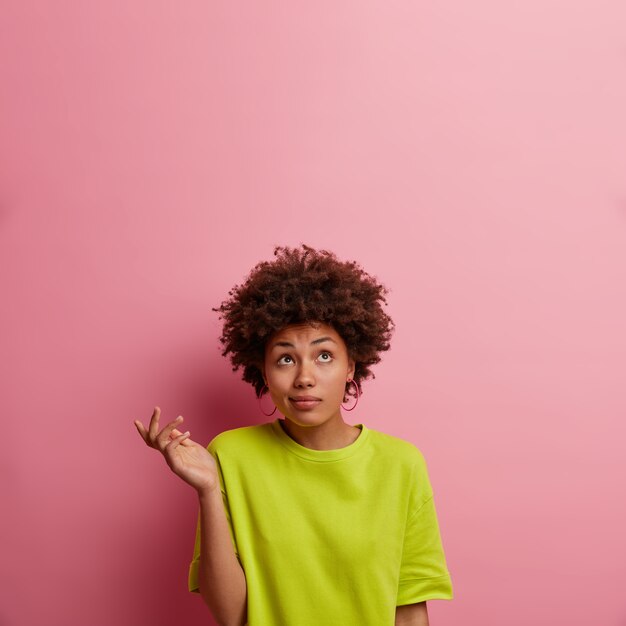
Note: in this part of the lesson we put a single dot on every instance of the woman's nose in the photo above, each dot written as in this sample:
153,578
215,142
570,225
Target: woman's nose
304,376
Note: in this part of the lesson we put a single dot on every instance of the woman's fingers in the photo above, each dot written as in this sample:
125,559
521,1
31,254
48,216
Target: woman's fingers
185,442
142,430
164,436
171,446
168,434
154,425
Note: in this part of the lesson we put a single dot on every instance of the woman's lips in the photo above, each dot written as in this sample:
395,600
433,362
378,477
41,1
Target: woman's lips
304,404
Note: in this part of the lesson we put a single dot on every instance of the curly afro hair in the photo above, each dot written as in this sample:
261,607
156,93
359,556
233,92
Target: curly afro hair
304,285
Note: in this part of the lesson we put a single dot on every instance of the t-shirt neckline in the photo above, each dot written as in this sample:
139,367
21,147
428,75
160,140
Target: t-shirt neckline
319,455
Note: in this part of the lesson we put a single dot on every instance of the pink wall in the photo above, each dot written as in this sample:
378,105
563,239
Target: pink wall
469,154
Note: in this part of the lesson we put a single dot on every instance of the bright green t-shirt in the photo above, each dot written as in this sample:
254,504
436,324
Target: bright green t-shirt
328,537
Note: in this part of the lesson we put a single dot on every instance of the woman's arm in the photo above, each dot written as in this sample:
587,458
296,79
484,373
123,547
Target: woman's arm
412,614
222,581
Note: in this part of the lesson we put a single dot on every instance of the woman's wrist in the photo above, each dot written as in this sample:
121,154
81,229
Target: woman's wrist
207,493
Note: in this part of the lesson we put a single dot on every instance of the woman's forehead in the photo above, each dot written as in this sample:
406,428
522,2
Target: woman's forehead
305,331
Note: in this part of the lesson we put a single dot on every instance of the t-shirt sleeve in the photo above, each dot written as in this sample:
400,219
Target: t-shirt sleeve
423,572
194,566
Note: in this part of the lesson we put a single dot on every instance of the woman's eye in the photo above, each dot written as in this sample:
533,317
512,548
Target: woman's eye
286,356
328,354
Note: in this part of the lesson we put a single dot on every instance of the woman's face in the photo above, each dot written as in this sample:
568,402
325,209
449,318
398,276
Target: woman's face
302,360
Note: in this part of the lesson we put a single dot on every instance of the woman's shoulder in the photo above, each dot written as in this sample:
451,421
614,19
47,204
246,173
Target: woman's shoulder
399,448
236,438
406,457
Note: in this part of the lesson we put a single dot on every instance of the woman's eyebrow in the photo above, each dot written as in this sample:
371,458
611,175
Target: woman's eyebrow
286,344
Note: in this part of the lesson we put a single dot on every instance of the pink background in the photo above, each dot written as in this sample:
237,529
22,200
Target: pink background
469,154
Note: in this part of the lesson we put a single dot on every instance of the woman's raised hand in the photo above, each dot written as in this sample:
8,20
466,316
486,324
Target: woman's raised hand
186,458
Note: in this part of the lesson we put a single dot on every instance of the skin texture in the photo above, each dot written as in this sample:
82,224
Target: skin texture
412,615
315,369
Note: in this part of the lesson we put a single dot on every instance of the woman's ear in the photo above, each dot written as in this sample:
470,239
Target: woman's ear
352,368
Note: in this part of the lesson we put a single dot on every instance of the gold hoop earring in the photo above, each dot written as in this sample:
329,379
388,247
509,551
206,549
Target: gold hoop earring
259,399
357,395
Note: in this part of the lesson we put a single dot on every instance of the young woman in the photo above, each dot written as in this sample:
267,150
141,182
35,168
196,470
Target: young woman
307,520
